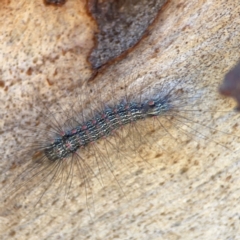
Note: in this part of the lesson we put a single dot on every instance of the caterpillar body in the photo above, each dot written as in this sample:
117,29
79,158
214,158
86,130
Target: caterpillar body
102,125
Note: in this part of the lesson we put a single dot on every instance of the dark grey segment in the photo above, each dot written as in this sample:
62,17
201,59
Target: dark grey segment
121,25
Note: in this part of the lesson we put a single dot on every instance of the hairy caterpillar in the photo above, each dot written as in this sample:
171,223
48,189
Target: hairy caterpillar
87,142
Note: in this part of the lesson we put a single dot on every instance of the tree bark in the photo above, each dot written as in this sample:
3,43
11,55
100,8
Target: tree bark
189,193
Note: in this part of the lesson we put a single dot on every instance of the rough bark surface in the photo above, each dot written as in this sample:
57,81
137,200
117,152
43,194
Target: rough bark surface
192,193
